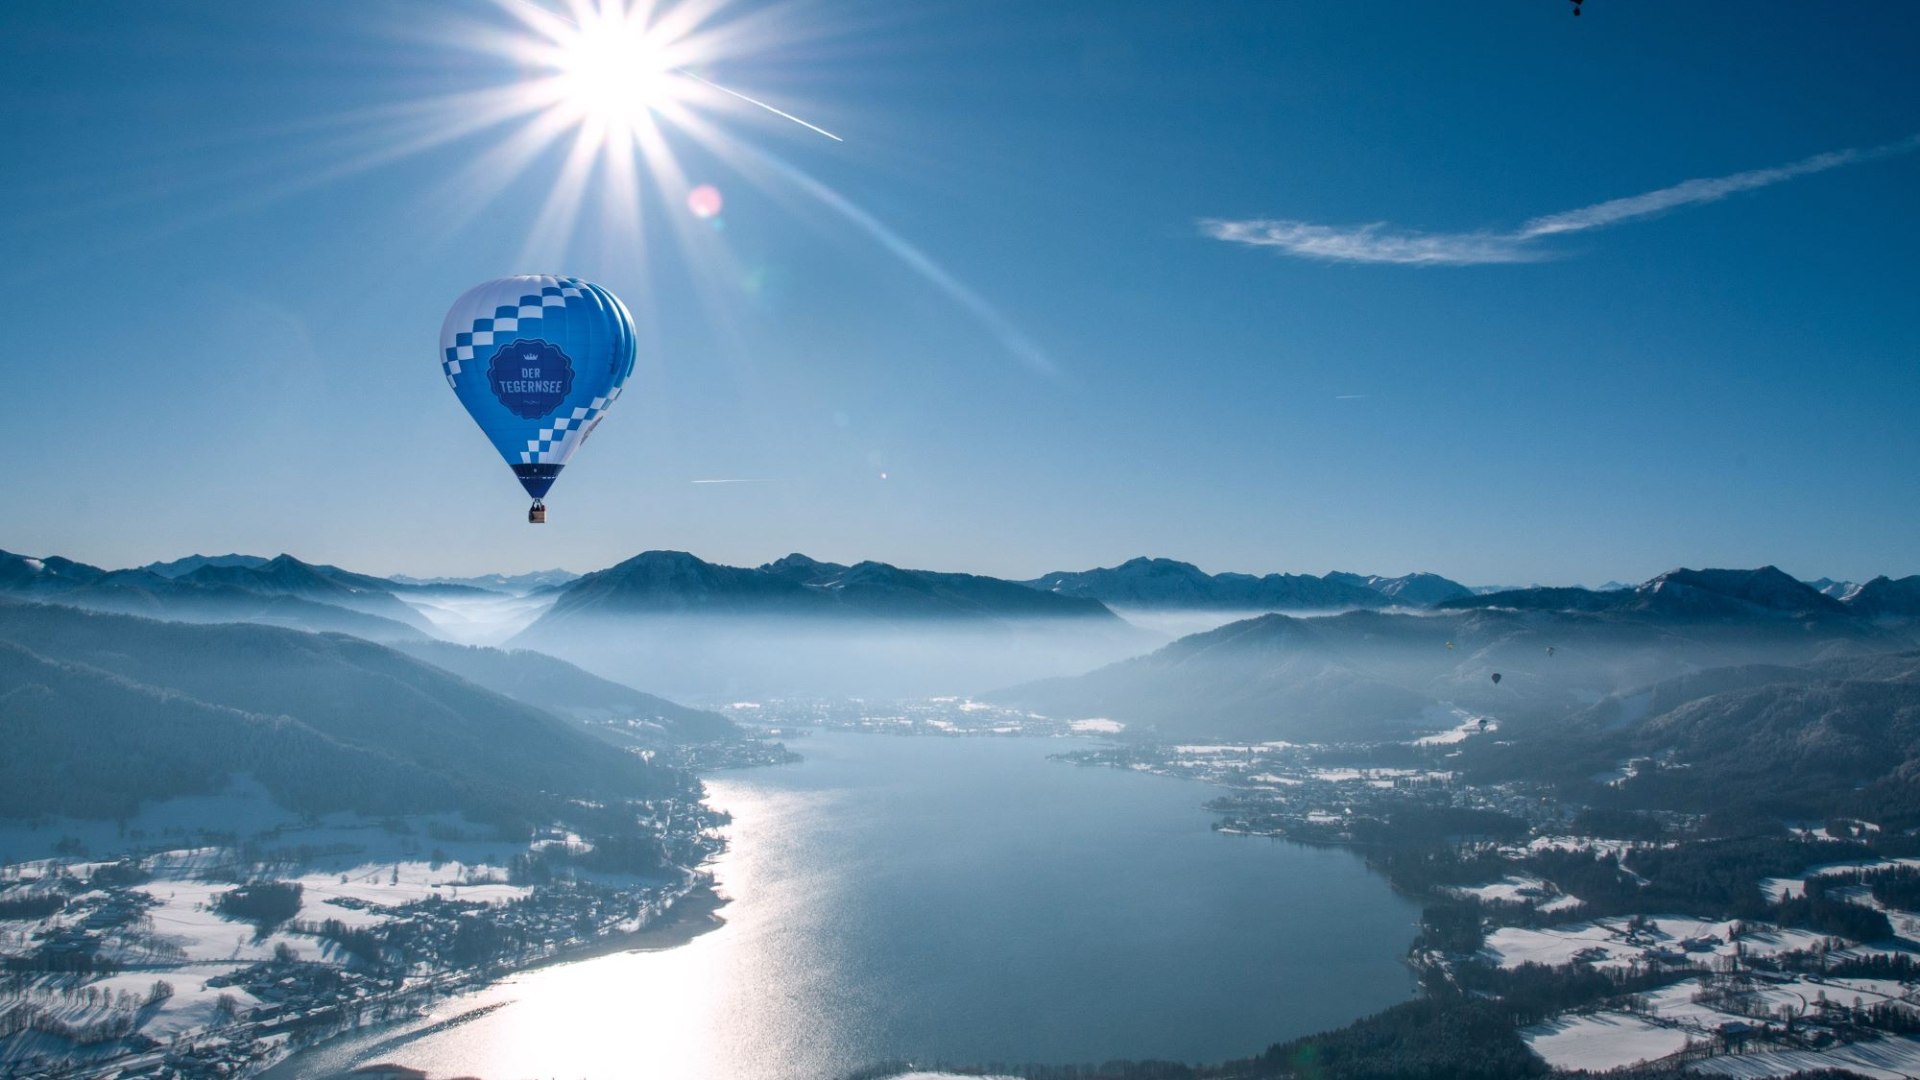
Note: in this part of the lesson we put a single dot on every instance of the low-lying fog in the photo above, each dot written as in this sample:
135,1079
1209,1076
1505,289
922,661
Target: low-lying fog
476,618
1178,623
708,658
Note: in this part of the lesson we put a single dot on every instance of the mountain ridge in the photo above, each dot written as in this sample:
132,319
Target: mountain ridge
1149,583
484,748
1372,674
680,583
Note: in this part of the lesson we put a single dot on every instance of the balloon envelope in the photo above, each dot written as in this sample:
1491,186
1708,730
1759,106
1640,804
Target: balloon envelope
537,361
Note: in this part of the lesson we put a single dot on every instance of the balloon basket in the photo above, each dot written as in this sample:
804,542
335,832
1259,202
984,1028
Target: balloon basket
537,514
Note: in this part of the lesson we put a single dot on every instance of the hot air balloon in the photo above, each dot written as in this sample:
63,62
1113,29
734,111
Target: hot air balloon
537,361
1496,678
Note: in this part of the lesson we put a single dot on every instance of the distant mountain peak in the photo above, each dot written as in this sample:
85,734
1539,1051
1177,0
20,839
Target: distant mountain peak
1839,590
1767,587
804,569
510,583
1171,584
1420,588
1159,565
179,567
1886,597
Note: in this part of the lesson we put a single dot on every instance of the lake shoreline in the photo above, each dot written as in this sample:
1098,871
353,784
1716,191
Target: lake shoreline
692,914
898,879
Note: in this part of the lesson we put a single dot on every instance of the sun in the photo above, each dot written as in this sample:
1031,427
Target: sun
613,92
614,71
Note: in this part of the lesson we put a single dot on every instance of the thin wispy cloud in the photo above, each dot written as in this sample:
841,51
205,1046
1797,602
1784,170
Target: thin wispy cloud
741,480
1351,397
1381,242
1375,243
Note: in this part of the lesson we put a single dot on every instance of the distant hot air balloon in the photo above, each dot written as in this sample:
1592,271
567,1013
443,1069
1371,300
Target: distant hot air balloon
1449,646
1549,650
1496,678
537,361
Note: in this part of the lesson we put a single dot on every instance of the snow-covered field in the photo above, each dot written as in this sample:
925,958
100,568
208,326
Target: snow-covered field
1465,726
1521,889
1884,1059
186,919
1612,943
1605,1040
183,941
1778,889
1512,946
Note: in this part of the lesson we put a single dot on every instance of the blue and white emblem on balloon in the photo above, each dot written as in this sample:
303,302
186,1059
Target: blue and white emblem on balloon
530,378
537,361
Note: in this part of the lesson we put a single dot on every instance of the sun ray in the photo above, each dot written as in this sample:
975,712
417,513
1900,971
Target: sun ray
599,92
552,232
461,197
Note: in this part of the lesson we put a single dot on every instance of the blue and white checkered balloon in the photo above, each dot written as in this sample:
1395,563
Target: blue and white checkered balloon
537,361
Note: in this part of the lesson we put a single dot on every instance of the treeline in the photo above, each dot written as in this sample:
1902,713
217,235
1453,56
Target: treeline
1614,823
634,854
1448,1037
1424,826
1708,878
1438,1037
1531,993
1814,909
469,943
23,904
266,903
1894,886
1423,870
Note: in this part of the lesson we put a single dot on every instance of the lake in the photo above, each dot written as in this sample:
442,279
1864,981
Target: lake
948,900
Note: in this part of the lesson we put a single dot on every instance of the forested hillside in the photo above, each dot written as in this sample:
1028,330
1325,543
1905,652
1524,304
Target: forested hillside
357,725
1830,737
549,683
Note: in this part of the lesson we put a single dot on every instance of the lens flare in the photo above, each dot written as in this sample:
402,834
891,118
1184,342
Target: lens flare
609,94
704,202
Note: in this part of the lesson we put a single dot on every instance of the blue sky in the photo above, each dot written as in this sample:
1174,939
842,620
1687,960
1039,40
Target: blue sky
1007,290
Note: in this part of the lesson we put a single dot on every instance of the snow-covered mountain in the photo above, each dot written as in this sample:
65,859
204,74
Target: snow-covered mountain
1683,594
25,575
1886,598
1410,590
1734,592
1836,589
